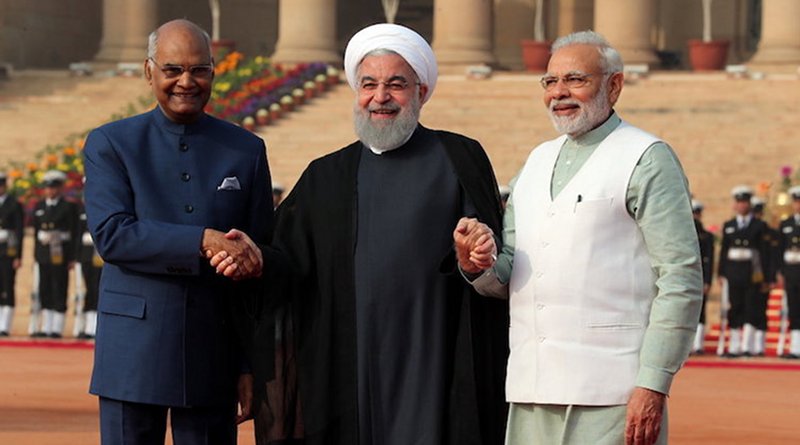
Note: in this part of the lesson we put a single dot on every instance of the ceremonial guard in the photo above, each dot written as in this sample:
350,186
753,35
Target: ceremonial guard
91,265
741,262
55,223
770,264
706,240
790,269
11,231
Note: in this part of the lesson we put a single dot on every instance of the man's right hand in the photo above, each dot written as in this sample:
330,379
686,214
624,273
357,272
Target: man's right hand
233,254
476,250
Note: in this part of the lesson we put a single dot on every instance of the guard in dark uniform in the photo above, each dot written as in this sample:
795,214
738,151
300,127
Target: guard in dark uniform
55,223
91,267
11,231
770,264
744,246
706,240
790,269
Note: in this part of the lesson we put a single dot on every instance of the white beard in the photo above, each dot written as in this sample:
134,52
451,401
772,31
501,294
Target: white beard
591,114
385,136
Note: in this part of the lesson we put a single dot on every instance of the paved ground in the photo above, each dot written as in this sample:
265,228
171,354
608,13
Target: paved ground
43,400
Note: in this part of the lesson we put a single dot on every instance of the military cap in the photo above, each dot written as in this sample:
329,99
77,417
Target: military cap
795,192
697,206
757,203
54,178
742,193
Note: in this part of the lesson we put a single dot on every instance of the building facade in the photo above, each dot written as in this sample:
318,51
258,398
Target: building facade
54,33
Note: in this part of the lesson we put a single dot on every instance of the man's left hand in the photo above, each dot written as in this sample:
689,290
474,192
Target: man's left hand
245,392
643,421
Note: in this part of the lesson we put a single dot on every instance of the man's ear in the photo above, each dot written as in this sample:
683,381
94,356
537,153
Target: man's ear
615,87
423,91
147,73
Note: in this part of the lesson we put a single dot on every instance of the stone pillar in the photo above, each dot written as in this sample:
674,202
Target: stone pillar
306,32
462,32
575,15
628,26
513,21
780,34
126,25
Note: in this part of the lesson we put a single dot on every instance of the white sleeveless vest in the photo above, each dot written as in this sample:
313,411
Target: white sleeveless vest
582,283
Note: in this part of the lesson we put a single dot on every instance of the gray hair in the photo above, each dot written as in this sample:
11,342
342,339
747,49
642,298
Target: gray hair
152,39
611,60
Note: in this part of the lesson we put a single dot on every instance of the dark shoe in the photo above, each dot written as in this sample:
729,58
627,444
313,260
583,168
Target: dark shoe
792,356
38,335
3,334
698,352
82,336
55,335
731,355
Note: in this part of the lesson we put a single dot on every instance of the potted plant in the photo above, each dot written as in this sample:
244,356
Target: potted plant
707,54
536,51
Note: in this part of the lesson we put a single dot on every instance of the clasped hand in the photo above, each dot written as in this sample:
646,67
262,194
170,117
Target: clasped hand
233,254
476,250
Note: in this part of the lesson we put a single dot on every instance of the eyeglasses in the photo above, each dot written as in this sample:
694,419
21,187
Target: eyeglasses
175,71
393,85
571,80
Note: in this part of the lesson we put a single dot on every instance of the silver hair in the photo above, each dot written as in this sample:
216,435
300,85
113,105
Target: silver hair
152,41
611,60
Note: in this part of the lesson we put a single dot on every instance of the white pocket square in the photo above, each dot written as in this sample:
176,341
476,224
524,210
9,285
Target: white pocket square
230,183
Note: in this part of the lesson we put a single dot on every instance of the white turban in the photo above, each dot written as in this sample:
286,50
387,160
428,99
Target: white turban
410,45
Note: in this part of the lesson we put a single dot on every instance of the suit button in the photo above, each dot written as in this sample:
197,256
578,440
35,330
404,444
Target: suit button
189,208
184,147
185,176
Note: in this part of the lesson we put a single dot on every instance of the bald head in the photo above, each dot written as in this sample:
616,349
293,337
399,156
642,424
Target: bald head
177,27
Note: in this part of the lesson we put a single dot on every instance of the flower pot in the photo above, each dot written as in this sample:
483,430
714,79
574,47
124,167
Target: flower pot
708,56
262,117
220,48
248,123
535,55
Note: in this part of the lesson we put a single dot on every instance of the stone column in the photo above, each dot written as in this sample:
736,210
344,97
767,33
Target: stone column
628,26
513,21
575,15
780,34
126,25
462,32
306,32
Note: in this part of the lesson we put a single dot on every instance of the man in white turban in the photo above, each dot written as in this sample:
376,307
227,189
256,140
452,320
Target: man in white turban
393,347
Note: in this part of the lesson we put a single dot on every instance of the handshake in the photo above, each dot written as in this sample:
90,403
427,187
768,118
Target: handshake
232,254
476,249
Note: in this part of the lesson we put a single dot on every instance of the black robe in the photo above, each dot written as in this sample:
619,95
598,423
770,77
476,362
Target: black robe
316,229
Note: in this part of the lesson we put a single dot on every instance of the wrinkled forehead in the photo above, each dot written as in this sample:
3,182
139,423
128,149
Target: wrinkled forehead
577,58
384,65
